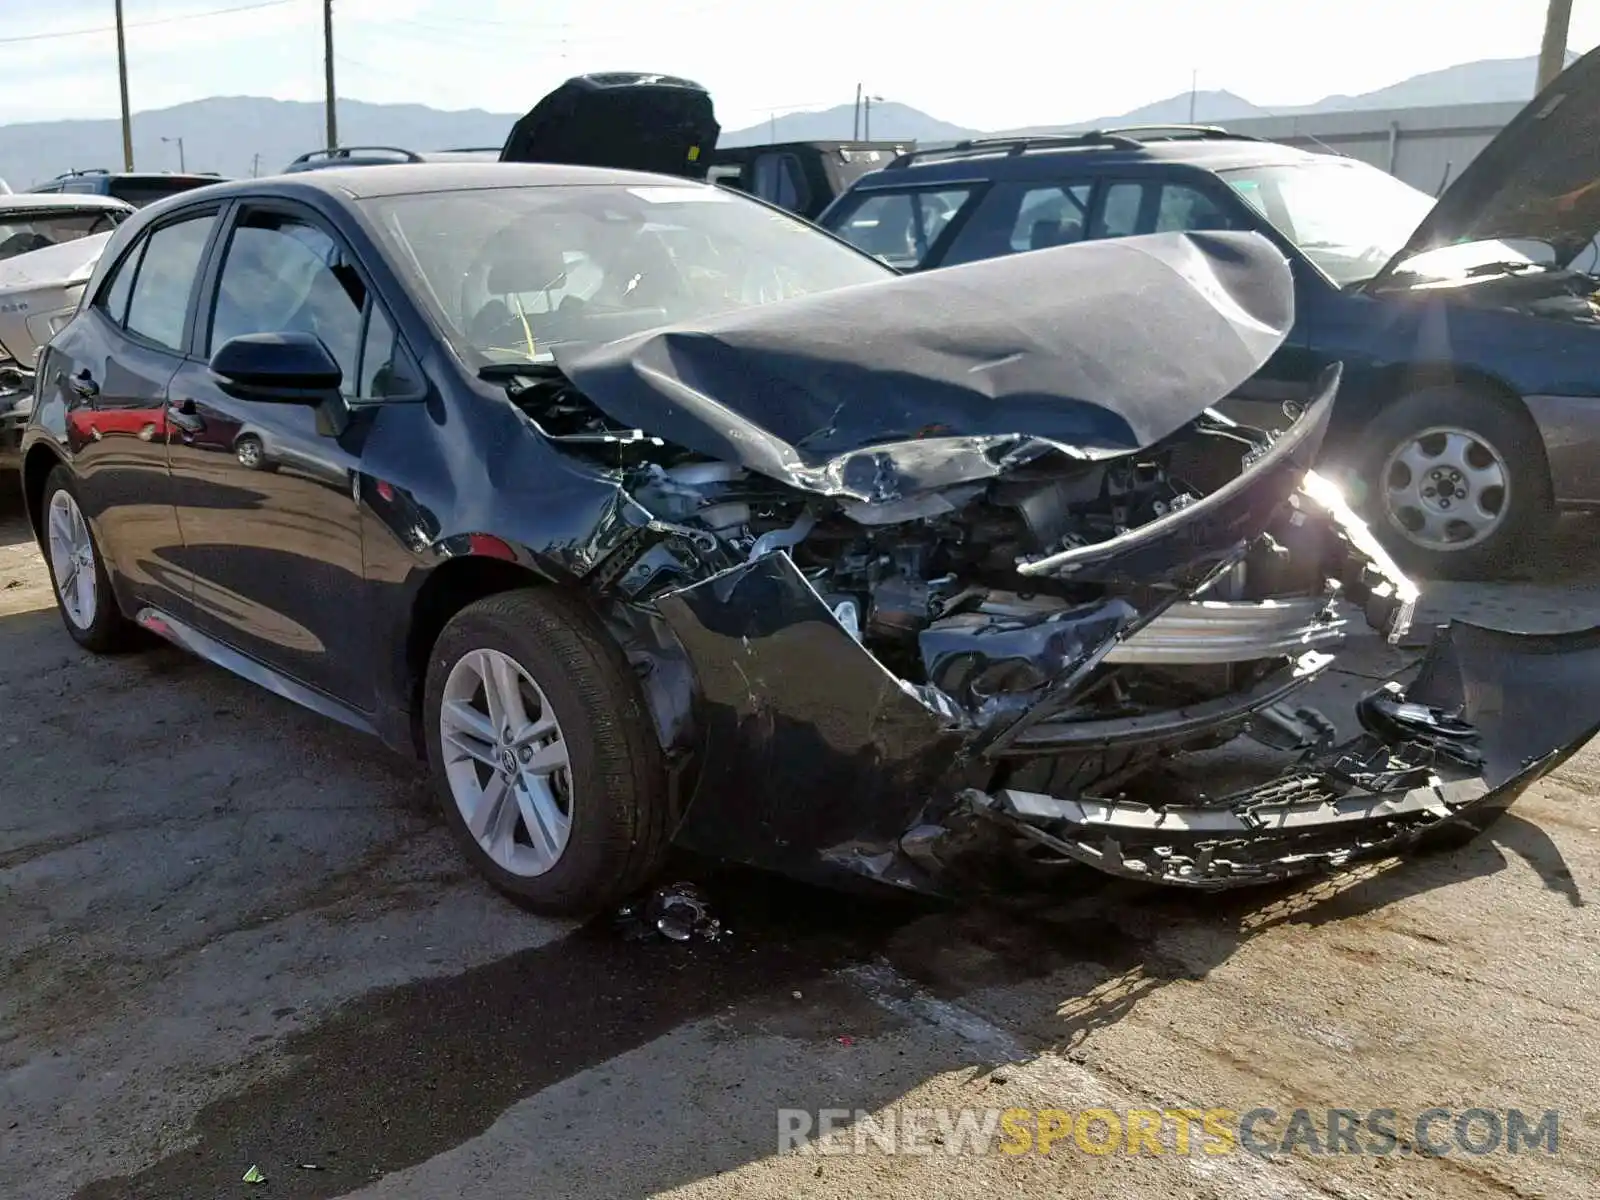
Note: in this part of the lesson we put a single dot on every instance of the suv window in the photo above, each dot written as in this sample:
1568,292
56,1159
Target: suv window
1015,217
1134,208
160,298
281,275
141,192
781,180
900,227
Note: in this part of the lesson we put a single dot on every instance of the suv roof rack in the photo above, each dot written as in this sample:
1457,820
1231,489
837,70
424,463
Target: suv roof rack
1122,137
342,152
1012,146
1163,133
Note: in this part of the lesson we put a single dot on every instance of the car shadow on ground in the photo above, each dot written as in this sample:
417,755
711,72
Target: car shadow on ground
401,1075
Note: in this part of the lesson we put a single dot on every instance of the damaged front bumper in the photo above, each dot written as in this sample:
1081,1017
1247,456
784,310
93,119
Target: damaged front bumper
819,762
1488,714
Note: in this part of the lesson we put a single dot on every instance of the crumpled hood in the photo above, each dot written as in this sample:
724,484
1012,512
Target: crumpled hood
63,263
927,380
1536,180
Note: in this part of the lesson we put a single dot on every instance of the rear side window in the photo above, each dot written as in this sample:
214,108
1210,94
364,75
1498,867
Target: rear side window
900,227
1015,217
165,279
1134,208
781,180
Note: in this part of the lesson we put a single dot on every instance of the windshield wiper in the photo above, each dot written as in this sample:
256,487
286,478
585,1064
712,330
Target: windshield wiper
506,371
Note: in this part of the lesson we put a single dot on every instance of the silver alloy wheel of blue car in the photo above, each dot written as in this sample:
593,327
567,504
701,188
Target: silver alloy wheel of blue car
506,762
72,560
1445,488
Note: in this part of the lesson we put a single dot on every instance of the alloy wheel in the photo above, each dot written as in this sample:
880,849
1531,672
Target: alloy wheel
1446,488
506,762
72,559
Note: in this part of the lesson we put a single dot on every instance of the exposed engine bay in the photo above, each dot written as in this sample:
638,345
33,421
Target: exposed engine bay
976,583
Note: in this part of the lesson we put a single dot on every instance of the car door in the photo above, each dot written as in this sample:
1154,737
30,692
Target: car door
110,369
267,491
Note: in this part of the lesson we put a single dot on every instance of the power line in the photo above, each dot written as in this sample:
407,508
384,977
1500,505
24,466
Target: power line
215,12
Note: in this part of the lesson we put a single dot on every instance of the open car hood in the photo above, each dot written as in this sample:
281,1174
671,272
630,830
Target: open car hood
922,381
1538,179
629,120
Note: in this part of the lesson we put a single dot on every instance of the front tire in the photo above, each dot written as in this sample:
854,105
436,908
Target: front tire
1454,483
84,598
545,758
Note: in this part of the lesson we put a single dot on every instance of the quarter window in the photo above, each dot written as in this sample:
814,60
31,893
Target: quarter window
283,275
114,295
387,370
160,298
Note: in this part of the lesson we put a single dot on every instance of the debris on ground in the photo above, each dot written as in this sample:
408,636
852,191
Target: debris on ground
679,913
254,1175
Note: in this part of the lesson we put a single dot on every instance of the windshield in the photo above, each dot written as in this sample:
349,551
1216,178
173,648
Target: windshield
1347,217
514,273
22,232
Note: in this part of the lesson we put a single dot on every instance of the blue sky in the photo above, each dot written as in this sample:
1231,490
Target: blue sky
982,63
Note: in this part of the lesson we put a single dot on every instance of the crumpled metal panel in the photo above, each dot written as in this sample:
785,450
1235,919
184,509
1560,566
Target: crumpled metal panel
882,390
809,743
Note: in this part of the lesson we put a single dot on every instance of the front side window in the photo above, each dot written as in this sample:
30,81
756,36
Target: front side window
1347,217
283,275
899,227
1130,209
159,301
1015,217
512,274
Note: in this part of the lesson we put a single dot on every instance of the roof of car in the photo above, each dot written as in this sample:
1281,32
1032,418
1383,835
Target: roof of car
58,200
1031,157
400,179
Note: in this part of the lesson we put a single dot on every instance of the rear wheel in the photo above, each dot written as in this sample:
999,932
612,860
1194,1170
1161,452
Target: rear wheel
546,760
84,598
1454,483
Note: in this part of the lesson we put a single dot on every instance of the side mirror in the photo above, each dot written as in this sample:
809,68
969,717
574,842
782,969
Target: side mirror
284,368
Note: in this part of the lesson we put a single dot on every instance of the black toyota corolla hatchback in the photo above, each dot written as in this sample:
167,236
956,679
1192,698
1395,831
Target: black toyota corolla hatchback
647,512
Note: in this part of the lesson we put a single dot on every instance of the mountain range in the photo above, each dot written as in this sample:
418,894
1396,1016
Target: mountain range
241,135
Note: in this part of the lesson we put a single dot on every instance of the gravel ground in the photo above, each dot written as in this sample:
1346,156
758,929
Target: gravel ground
233,933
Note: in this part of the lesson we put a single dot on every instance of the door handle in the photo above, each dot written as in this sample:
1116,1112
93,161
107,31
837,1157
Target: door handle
83,385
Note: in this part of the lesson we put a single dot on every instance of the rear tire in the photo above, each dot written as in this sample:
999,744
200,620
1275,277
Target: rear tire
84,598
581,820
1490,461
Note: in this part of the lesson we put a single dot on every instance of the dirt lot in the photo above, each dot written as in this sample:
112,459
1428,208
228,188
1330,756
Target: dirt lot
233,933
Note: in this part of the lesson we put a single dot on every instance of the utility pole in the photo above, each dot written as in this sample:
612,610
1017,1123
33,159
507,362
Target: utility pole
772,127
255,165
183,167
327,66
855,127
122,81
1553,50
1194,85
866,115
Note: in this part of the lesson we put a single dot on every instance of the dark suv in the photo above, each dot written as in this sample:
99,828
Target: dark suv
137,188
1467,328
